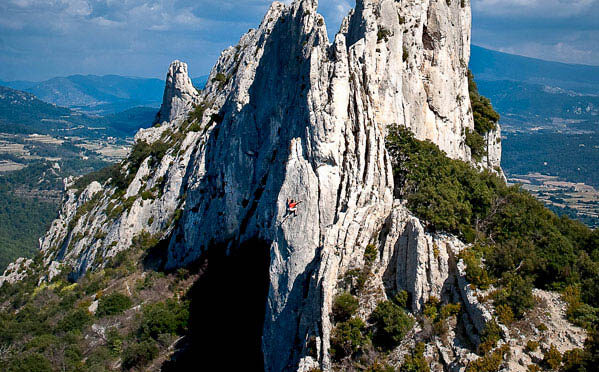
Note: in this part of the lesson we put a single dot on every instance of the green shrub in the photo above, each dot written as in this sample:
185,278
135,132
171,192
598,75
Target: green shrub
579,312
532,346
476,274
431,308
490,362
169,317
114,341
139,355
391,323
145,241
401,299
356,278
42,343
347,338
489,338
344,307
75,320
552,358
477,144
450,310
370,254
415,362
99,360
222,80
516,293
574,361
380,367
383,34
196,116
100,176
30,363
147,195
113,304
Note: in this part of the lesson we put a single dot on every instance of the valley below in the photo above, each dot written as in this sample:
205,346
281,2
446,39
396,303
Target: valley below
32,170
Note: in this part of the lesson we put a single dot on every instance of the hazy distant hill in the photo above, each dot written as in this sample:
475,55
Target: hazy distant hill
102,94
99,94
531,93
524,106
24,113
492,65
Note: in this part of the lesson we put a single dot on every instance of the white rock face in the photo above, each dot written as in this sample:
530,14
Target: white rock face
493,158
15,271
290,115
179,94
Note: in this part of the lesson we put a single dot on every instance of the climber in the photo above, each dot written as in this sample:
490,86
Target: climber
292,206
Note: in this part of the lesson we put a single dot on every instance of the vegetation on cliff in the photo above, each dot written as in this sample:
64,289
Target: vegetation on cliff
485,120
517,243
136,313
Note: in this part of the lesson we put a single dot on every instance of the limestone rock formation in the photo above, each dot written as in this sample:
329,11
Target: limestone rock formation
16,271
179,94
289,114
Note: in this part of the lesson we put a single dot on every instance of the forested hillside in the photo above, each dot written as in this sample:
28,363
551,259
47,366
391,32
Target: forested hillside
40,144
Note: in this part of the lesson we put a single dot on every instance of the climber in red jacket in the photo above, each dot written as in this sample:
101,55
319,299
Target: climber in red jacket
292,206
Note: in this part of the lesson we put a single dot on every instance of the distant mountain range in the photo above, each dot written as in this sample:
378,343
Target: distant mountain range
491,65
98,94
534,94
24,113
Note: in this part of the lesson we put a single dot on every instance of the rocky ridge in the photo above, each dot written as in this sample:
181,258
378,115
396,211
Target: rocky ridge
288,114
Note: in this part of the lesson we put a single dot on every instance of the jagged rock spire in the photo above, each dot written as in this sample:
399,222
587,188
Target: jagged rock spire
179,94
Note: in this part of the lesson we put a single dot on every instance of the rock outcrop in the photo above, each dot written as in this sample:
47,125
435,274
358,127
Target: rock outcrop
288,114
179,94
16,271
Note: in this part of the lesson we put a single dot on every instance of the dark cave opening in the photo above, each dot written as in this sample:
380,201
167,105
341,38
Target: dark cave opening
227,311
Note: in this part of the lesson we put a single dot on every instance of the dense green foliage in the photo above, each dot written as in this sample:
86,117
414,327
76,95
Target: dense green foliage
344,307
415,362
391,323
490,362
449,194
49,327
113,304
139,354
168,317
521,242
348,337
22,221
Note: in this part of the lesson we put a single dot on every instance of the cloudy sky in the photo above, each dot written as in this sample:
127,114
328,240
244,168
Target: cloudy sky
40,39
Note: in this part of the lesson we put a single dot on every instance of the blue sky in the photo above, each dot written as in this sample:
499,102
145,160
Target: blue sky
40,39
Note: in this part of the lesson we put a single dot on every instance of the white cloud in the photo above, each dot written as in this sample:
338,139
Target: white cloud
533,8
79,8
44,38
101,21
